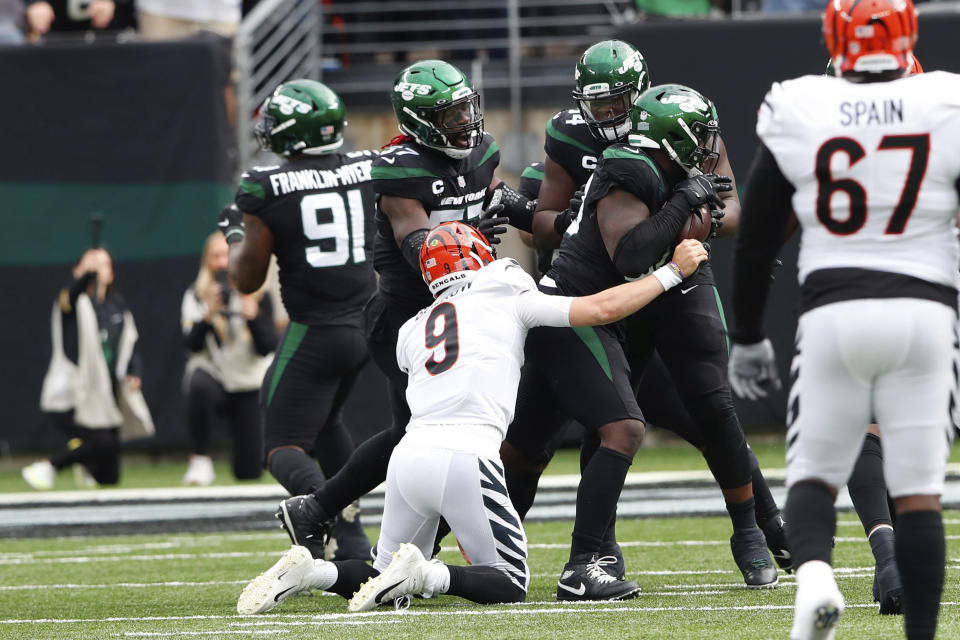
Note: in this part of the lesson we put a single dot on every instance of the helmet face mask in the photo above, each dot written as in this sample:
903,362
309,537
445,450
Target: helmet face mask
609,77
870,36
436,106
680,122
301,116
450,252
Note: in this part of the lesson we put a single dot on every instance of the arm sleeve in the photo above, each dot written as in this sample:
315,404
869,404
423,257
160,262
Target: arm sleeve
640,248
262,329
766,210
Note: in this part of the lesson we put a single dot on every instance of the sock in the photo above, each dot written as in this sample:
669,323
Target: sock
600,486
883,544
350,575
765,507
742,515
921,553
333,447
867,488
295,471
365,469
811,522
588,447
436,578
324,574
610,535
483,585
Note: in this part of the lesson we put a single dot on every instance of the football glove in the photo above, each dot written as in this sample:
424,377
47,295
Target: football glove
231,224
750,367
568,215
490,225
716,222
703,189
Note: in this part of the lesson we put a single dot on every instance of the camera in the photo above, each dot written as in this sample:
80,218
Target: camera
224,281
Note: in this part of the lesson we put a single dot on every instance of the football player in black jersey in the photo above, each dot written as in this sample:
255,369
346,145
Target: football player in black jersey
635,204
314,211
441,168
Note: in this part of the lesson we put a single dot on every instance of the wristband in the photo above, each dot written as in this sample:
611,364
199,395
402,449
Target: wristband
676,269
667,276
234,234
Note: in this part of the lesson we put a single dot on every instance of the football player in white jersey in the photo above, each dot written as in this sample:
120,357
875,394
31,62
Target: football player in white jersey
462,355
868,161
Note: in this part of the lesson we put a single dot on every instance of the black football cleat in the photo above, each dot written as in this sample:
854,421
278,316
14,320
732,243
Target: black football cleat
306,523
750,553
887,589
775,532
584,578
610,548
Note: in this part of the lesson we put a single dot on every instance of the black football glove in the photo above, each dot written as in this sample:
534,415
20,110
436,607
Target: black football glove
490,225
231,224
716,222
567,216
703,189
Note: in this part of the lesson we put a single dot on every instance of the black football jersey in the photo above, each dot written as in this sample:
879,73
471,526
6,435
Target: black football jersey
448,189
530,181
569,143
320,210
583,266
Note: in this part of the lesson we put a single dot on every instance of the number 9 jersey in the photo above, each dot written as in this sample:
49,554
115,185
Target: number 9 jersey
463,353
320,211
875,170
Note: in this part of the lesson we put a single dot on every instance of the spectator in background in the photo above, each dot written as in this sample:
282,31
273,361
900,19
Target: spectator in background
12,21
175,19
60,16
230,337
92,387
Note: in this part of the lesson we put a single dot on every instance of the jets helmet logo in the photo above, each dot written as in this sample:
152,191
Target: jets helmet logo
288,105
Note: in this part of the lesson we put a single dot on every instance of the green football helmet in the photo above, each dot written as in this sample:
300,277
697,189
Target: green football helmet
301,116
609,76
679,121
436,106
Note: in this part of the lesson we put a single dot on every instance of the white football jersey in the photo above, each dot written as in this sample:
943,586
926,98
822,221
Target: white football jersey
875,168
463,353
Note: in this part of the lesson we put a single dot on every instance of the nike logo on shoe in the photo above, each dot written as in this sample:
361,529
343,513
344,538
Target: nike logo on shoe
277,597
688,289
380,595
576,592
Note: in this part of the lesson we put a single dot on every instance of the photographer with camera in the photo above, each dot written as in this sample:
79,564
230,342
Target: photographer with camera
230,337
92,387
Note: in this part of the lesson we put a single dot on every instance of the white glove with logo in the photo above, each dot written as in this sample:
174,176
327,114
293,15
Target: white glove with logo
750,366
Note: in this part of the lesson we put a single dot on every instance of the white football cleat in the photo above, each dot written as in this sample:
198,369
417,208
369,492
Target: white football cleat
39,475
199,471
405,575
819,603
279,582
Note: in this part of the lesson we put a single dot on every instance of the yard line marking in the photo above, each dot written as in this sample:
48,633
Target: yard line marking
175,634
159,556
544,607
126,585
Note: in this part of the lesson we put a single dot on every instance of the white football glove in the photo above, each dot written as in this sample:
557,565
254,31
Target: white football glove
750,366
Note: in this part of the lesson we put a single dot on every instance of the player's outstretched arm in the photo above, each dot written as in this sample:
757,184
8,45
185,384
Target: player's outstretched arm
618,302
410,224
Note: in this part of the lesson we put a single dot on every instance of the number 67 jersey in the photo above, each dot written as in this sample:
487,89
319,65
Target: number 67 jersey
875,168
463,353
320,211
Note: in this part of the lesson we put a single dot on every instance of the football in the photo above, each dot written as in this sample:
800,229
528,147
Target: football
697,226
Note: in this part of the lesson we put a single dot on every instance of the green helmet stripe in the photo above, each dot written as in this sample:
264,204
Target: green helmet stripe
564,138
399,173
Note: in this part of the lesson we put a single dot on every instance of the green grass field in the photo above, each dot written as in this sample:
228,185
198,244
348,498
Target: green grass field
186,586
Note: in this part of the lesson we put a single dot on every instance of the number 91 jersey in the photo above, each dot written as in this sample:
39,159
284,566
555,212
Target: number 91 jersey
447,189
320,212
875,168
